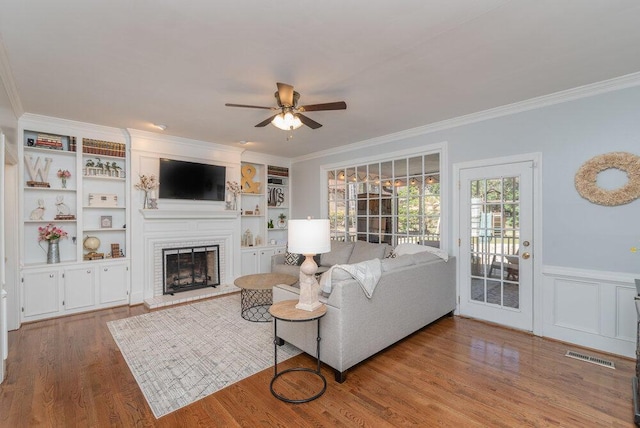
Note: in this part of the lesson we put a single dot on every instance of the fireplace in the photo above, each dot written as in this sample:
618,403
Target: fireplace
190,268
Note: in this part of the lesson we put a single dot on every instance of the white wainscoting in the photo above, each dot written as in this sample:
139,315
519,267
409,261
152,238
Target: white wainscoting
594,309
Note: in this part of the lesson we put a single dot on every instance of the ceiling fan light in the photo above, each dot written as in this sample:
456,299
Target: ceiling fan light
286,121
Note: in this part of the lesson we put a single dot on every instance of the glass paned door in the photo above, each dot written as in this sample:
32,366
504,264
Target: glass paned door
496,244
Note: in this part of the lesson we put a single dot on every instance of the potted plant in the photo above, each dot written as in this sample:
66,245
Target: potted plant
282,223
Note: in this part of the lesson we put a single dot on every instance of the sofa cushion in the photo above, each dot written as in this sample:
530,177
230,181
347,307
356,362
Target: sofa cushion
391,263
339,254
366,251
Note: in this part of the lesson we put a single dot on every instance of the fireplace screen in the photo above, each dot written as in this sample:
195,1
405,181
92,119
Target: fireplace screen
190,268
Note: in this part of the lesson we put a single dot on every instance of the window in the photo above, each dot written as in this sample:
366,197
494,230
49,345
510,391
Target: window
394,201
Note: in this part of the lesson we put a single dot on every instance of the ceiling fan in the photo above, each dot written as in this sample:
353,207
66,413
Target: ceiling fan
290,114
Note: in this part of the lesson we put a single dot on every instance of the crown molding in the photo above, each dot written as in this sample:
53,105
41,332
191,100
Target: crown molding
615,84
6,76
58,125
137,134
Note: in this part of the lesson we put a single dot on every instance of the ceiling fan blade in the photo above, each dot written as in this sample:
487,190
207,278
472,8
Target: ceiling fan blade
285,92
266,121
309,122
338,105
248,106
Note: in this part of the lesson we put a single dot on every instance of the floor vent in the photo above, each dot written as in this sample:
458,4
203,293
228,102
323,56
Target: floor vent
590,359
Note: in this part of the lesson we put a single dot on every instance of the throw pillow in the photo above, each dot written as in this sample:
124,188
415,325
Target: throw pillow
366,251
339,255
293,259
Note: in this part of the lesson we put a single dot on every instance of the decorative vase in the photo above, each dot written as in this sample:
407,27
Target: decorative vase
234,205
53,251
282,223
64,183
145,203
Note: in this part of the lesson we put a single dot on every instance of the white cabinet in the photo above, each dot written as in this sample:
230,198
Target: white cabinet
40,294
264,200
258,260
67,289
113,284
74,176
79,288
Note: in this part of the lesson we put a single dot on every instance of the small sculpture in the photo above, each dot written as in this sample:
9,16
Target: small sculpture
62,208
38,213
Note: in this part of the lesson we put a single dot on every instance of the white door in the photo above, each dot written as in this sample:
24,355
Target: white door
496,244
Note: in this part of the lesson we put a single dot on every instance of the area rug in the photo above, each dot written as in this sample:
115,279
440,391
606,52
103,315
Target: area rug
182,354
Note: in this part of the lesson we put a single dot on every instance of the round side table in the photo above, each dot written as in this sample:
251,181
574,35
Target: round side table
256,294
286,311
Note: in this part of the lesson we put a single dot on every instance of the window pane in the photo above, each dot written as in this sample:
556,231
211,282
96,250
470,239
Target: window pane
396,201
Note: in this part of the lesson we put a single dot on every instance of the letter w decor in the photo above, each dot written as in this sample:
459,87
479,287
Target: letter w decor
36,169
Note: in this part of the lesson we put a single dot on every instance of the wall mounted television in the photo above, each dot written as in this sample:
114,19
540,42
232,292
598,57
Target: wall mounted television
190,180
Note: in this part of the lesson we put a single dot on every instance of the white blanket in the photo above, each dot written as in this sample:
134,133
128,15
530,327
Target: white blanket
366,273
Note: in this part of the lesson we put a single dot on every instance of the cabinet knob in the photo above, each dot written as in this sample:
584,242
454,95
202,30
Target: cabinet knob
51,275
106,269
88,270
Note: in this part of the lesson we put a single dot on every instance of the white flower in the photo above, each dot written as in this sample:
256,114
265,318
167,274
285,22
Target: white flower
233,187
147,183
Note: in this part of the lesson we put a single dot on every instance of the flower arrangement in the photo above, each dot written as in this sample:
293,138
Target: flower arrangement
64,173
234,188
50,233
147,183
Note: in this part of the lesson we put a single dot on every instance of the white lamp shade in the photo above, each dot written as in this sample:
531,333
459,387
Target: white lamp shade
309,236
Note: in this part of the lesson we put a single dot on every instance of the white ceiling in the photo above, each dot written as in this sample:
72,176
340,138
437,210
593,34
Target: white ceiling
397,64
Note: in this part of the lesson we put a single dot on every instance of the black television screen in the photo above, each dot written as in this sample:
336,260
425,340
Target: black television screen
190,180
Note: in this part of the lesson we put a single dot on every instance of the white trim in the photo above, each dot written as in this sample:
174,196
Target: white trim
592,89
536,159
138,138
63,126
182,214
594,309
598,275
6,76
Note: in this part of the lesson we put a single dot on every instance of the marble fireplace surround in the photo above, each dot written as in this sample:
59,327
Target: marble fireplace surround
164,229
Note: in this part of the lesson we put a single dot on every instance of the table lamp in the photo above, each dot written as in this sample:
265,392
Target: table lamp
309,237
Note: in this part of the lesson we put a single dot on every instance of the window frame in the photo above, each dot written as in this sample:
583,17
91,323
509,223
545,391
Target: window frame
397,234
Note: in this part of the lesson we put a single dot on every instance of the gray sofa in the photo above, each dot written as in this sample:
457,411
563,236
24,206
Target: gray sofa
341,253
414,290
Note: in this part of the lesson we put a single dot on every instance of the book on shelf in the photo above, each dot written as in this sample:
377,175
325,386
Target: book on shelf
105,148
277,170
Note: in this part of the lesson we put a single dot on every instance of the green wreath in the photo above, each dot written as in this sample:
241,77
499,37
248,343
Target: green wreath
586,179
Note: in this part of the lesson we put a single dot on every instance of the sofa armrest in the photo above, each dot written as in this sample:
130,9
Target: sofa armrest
288,288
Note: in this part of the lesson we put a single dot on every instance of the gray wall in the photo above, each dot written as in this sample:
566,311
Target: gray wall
576,233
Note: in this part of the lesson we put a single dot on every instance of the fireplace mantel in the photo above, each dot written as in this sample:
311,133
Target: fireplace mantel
188,214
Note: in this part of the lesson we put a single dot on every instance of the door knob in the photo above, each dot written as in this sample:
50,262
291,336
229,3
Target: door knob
526,255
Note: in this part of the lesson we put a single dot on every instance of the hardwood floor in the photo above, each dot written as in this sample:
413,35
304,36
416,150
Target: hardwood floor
457,372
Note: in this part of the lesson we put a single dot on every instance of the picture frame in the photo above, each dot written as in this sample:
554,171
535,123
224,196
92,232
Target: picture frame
106,222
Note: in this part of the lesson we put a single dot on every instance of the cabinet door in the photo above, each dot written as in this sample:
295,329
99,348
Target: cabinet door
79,288
249,262
265,259
113,283
41,294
